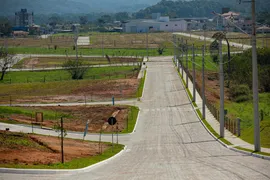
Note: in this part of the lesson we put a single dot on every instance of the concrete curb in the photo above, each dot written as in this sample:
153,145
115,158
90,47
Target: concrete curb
60,171
135,127
222,143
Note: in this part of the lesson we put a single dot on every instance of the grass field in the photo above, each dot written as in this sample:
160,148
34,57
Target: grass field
244,112
208,63
87,51
120,72
6,111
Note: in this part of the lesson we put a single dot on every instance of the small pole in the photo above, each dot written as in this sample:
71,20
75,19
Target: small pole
62,141
113,100
112,140
117,133
32,126
238,127
100,148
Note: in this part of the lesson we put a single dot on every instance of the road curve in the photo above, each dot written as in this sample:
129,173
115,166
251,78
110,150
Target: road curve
170,142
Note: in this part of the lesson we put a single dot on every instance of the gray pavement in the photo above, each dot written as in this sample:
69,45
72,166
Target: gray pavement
243,46
169,142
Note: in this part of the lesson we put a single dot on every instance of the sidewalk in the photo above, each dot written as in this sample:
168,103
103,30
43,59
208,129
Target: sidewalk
236,141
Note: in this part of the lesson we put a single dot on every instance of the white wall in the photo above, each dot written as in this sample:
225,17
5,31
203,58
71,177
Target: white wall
174,26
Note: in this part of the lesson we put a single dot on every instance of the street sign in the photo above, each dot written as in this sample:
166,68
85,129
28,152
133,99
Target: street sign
112,120
86,129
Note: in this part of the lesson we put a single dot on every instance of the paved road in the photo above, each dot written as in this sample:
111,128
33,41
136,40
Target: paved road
169,142
244,46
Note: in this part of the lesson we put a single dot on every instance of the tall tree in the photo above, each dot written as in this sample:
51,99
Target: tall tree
6,61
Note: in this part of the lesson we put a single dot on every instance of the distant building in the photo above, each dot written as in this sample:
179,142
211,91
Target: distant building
23,18
229,21
157,23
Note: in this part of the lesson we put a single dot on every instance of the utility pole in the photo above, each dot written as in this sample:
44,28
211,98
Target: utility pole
147,44
182,57
257,145
186,64
221,86
203,85
102,44
76,42
174,42
194,74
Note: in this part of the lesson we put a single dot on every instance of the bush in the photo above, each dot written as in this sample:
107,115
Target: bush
76,69
239,93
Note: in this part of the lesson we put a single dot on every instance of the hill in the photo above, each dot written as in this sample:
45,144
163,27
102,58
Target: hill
9,7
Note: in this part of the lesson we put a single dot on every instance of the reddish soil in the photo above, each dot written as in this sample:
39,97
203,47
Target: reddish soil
212,92
99,90
79,115
42,149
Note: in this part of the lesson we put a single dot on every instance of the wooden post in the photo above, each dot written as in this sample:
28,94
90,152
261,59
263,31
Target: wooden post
238,126
62,141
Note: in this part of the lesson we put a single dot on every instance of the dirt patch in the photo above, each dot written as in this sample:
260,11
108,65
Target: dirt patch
86,91
29,149
30,62
78,116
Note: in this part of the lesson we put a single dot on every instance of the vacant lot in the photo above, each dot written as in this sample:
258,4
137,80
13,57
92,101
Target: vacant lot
75,117
50,62
106,73
34,151
68,91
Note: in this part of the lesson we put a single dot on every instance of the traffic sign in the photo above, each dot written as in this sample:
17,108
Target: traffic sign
112,120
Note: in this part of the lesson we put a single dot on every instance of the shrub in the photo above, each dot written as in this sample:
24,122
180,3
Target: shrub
239,93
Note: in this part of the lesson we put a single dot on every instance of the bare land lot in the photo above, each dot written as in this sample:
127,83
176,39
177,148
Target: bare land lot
75,117
36,151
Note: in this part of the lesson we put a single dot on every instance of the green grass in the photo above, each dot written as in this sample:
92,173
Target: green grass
132,119
209,65
254,152
92,51
244,111
47,114
15,141
141,86
119,72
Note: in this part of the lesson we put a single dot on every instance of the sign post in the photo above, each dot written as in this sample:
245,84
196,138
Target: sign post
112,121
86,129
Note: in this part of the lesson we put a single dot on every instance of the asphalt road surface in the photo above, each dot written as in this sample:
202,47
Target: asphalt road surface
169,143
